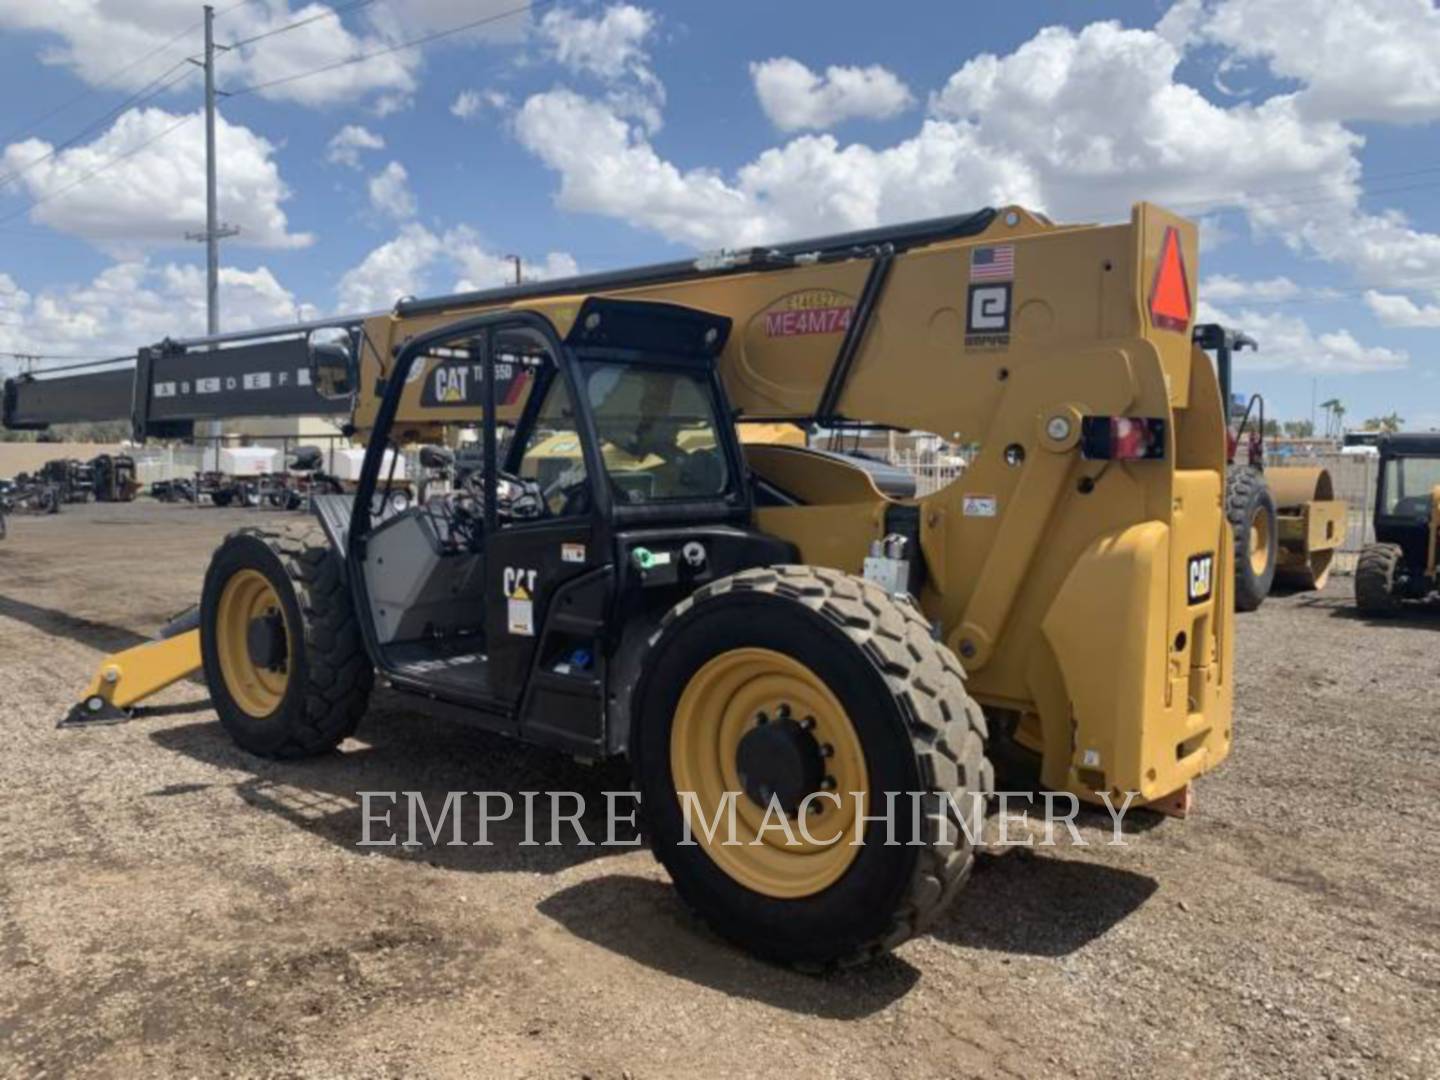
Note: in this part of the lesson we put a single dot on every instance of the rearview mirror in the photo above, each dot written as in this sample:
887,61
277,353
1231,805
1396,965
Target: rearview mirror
332,363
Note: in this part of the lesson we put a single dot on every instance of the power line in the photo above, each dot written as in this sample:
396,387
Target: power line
233,7
140,97
329,13
98,85
88,361
100,169
424,39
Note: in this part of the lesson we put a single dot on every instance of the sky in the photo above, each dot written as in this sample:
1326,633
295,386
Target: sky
1301,134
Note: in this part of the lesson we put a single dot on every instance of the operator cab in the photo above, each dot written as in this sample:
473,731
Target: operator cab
594,461
1405,496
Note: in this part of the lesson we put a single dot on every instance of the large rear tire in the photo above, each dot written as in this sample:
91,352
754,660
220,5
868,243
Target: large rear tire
827,673
1375,576
1251,510
283,656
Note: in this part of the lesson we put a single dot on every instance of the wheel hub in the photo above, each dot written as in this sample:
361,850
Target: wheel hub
265,641
779,759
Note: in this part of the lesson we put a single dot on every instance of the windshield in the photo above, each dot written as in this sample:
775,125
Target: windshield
657,432
1408,484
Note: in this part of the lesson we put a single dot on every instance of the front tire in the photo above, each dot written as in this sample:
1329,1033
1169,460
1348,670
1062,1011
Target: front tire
1251,510
812,660
1375,577
283,656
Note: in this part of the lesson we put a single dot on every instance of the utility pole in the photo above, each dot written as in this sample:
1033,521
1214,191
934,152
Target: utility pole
519,276
214,231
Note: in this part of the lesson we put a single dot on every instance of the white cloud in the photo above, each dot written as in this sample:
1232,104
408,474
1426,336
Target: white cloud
810,185
466,105
608,47
1357,60
153,197
1078,124
346,145
390,192
390,104
794,97
394,269
88,36
1287,343
415,261
470,102
130,304
1402,311
1219,288
480,268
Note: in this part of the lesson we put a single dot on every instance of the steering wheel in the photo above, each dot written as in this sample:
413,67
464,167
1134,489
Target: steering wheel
515,497
1415,506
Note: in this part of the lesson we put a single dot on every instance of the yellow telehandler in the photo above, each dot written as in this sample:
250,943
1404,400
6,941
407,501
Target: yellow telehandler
757,627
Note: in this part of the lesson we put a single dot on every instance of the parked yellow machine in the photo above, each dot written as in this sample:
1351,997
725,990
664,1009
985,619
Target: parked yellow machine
1286,519
767,627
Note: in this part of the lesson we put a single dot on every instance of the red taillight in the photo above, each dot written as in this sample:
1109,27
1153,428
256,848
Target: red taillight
1122,438
1170,291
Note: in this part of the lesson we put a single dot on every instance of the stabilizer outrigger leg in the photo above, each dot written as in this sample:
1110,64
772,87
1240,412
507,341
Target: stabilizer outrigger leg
127,678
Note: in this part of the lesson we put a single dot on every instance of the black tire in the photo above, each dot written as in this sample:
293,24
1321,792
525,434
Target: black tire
905,696
330,679
1247,497
1375,577
222,498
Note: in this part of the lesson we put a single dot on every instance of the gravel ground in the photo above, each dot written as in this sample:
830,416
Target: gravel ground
169,905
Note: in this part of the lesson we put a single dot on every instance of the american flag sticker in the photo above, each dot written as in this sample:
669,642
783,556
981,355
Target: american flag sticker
993,263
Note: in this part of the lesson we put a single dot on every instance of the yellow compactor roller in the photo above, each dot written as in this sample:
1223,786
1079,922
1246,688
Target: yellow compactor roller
759,628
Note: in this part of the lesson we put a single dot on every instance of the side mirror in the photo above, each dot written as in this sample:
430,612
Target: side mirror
333,371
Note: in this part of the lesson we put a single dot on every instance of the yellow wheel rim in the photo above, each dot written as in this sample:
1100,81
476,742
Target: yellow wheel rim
247,596
727,699
1259,543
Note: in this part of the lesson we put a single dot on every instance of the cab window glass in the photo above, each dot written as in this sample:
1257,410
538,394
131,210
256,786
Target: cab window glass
657,430
1408,486
553,457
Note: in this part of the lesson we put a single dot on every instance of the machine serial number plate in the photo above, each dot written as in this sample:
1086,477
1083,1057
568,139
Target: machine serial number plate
1201,577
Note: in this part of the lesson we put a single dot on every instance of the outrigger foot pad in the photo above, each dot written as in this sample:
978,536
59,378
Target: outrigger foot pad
127,678
93,712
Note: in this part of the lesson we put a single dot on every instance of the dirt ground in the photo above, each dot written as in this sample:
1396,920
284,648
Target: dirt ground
172,906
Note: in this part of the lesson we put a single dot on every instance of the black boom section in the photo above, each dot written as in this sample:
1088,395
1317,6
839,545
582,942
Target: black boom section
171,386
176,386
33,404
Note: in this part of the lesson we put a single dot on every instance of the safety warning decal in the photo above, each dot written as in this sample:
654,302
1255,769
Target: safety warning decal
519,586
814,311
572,553
981,506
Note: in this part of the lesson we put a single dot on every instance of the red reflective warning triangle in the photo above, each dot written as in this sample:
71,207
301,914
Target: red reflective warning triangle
1170,292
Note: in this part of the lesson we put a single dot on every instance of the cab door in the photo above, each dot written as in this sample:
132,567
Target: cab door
547,568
